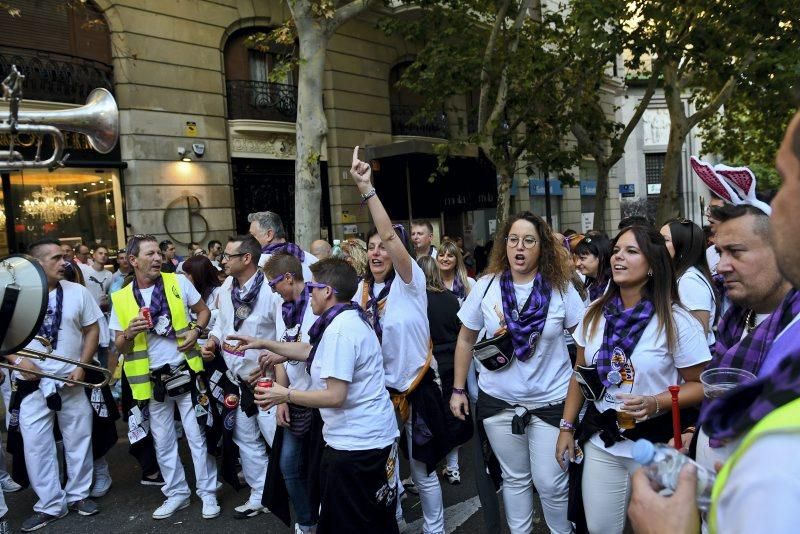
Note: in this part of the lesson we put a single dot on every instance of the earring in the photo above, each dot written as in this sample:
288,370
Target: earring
650,273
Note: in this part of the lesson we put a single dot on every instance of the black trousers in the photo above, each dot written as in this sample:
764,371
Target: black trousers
358,492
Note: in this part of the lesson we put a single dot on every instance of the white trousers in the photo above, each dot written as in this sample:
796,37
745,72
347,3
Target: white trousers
36,423
5,388
606,486
252,452
528,459
162,428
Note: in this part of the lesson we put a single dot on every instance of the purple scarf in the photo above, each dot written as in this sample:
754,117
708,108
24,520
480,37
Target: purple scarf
736,413
596,287
288,248
243,304
374,302
623,331
293,311
158,305
49,329
458,288
324,320
525,326
749,353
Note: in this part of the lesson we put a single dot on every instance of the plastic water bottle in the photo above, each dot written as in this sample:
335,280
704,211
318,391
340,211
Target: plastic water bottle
336,251
663,464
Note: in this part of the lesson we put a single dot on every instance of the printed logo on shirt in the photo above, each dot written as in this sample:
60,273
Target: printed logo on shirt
623,363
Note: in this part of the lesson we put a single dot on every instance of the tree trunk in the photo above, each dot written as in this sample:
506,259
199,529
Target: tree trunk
311,129
600,196
668,199
503,196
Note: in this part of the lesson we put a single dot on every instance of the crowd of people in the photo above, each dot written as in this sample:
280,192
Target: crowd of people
308,378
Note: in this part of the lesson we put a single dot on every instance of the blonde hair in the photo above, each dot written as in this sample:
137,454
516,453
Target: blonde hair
433,278
357,253
461,268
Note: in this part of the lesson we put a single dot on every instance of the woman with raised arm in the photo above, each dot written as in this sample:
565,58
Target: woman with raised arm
393,295
633,343
527,296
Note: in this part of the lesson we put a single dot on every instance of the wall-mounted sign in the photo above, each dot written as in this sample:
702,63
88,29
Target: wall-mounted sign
536,188
588,188
653,189
627,190
190,129
182,217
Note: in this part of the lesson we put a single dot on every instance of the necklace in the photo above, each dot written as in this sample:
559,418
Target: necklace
750,321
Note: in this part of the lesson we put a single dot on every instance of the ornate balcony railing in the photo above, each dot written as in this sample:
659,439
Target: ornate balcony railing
403,123
266,101
56,77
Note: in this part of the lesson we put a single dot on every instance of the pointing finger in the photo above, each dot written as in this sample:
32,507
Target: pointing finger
355,156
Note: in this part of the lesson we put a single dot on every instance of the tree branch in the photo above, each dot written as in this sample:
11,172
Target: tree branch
618,145
483,102
345,13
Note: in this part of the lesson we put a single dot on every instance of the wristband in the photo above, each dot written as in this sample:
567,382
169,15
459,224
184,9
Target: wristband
289,395
368,195
459,391
566,426
19,360
689,430
658,406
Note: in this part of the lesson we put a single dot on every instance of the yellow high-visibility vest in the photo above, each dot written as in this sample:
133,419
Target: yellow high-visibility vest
137,362
782,420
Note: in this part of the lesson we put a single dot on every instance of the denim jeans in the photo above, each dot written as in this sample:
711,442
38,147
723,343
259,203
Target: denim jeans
295,476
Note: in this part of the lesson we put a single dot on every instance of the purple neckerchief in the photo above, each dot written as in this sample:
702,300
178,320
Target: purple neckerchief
458,288
737,412
374,302
748,353
49,329
243,304
780,347
324,320
525,325
596,287
158,305
294,310
622,333
289,248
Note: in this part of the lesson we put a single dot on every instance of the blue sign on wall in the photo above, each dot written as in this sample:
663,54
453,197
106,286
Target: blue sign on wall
627,190
536,188
588,188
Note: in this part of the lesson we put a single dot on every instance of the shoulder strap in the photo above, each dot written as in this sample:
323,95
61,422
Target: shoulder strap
488,286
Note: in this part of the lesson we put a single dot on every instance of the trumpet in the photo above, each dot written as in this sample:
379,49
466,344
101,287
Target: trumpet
41,356
98,120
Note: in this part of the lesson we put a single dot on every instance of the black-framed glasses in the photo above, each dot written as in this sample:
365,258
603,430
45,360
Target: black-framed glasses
317,285
275,281
225,256
527,242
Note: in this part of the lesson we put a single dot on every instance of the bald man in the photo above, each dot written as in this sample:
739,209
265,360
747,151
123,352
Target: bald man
321,249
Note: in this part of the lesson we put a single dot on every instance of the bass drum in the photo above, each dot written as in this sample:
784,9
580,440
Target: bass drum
23,301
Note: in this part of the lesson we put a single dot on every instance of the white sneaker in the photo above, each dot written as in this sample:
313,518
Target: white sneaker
9,486
248,510
100,487
452,474
210,507
409,485
170,506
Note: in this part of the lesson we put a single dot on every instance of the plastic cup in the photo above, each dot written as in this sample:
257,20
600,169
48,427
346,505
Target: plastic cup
625,420
718,382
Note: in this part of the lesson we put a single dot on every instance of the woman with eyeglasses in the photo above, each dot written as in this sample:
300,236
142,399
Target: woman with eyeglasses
528,295
592,253
686,245
634,342
453,270
393,295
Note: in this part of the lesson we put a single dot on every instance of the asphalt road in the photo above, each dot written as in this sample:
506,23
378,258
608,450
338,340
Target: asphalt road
127,508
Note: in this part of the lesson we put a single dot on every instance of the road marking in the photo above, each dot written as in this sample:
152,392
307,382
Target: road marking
454,516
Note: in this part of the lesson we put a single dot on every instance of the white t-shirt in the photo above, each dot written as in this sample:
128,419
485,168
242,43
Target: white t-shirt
470,285
406,331
763,489
212,303
260,323
308,260
696,295
712,257
651,368
349,351
78,310
544,378
299,378
98,283
162,350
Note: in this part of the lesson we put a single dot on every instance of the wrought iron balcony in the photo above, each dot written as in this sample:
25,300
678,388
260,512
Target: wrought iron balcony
403,123
56,77
266,101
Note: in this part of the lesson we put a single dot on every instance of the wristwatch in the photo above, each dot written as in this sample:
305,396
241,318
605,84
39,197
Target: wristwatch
194,326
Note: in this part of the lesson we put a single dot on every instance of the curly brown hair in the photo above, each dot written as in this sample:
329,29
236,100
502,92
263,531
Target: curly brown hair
554,265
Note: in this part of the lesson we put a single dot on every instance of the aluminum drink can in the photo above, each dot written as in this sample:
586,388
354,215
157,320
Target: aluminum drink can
145,311
264,382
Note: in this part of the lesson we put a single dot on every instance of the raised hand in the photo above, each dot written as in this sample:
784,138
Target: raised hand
361,173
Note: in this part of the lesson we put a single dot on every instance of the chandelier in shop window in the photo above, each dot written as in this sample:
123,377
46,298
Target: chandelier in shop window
2,219
50,205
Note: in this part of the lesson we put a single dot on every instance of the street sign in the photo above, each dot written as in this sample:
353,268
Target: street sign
588,188
627,190
536,188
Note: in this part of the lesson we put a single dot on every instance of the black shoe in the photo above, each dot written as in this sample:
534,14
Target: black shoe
84,507
157,480
39,520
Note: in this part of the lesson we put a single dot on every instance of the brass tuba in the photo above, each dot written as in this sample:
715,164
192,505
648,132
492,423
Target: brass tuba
98,120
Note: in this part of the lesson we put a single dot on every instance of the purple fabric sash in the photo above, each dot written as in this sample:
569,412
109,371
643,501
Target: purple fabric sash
623,331
596,287
737,412
158,305
289,248
748,353
293,311
374,302
324,320
525,326
51,326
458,288
243,304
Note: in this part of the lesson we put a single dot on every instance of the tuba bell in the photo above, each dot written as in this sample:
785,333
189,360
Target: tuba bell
98,120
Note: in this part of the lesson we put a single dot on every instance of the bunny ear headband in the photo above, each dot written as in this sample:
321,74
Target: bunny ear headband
736,185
